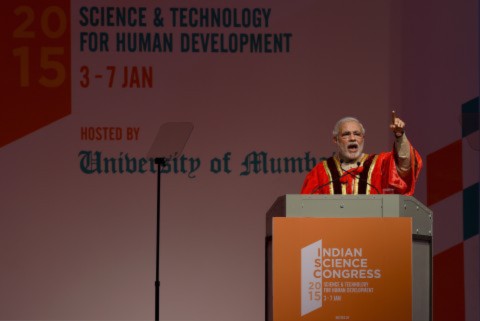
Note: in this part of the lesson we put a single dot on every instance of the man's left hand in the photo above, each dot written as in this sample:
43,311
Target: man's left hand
397,125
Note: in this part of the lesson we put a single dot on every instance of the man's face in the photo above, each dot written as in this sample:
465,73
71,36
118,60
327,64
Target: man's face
350,141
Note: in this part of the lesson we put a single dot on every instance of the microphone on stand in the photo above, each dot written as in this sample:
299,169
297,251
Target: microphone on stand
357,170
340,178
354,172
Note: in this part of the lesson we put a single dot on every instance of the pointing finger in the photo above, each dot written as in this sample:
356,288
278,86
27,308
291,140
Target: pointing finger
399,123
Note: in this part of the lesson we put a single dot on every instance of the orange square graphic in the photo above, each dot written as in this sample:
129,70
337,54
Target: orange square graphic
342,269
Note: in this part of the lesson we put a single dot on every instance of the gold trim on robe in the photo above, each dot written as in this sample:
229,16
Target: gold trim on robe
329,174
370,171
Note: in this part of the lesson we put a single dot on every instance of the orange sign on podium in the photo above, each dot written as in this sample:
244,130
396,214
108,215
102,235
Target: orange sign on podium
342,269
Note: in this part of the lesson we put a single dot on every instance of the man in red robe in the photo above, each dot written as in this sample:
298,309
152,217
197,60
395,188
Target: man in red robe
350,171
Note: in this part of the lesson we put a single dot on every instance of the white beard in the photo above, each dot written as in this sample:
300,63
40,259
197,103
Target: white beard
348,155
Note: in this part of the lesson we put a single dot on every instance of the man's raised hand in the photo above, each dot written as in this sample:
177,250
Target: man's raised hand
397,125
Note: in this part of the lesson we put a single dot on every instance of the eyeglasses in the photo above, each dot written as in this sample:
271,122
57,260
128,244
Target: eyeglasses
346,135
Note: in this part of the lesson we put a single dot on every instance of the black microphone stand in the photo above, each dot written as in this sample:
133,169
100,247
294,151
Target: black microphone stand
329,182
160,162
355,176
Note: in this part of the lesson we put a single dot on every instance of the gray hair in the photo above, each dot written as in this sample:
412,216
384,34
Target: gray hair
339,123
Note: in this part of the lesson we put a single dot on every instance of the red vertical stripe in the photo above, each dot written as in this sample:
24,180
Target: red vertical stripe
448,285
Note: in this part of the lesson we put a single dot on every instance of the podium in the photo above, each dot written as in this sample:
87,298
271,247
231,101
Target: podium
351,210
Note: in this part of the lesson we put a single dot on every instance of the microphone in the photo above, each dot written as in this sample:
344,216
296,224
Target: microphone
333,180
340,178
357,171
354,172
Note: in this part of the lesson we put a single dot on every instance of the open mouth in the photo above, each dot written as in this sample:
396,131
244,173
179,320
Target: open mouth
352,148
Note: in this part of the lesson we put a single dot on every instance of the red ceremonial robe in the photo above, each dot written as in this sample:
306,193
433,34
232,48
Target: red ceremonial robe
374,175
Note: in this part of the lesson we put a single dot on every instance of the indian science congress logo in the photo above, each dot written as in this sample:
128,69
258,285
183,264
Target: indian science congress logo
328,274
